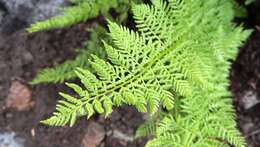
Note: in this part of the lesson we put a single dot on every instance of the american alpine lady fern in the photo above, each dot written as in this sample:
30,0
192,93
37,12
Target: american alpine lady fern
179,59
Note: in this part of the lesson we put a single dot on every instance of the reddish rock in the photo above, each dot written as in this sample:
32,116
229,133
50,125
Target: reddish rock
19,97
94,135
115,142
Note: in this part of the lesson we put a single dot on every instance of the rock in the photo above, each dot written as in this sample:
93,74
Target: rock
120,135
114,142
247,127
10,139
2,13
119,139
249,100
34,10
17,14
19,97
46,8
94,135
14,6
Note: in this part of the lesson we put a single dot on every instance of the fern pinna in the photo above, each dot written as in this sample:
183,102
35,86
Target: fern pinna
65,71
82,10
178,59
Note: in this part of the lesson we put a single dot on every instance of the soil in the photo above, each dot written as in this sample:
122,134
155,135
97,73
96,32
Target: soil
245,80
22,55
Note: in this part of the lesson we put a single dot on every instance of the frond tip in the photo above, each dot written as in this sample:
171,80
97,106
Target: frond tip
81,11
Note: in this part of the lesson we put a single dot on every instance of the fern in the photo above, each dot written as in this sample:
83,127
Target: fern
65,71
149,127
82,10
179,55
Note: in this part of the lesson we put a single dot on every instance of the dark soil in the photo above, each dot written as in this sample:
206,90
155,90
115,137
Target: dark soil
245,80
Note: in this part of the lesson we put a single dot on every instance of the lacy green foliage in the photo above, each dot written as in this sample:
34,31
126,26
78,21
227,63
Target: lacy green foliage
65,71
240,11
178,58
148,128
83,10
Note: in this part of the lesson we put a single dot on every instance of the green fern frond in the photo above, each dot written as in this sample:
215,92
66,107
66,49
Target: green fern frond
148,67
179,55
148,128
240,10
65,71
141,76
62,72
83,10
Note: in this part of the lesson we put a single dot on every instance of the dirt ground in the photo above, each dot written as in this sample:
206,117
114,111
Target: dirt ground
245,80
23,55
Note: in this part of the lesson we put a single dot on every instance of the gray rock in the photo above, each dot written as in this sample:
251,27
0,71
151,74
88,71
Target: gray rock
123,136
47,8
17,14
10,139
14,6
250,99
